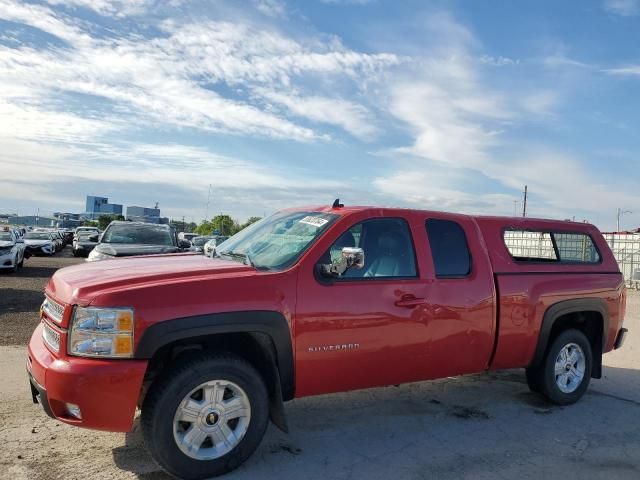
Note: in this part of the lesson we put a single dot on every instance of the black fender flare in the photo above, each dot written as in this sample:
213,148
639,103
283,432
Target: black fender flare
271,323
557,310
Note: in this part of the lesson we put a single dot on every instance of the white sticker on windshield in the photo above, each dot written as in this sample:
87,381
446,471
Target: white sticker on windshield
314,221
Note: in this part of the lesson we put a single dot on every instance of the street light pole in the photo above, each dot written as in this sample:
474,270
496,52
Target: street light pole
620,213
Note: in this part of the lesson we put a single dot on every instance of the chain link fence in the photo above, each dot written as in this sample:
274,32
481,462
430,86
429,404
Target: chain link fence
626,249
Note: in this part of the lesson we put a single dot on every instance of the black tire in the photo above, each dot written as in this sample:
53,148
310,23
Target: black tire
172,387
545,375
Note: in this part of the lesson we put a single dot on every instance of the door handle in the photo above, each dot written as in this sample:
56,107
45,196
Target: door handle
409,301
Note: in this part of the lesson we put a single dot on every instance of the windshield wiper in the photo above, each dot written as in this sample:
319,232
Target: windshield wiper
246,259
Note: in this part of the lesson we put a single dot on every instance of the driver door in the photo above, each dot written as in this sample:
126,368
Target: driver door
355,331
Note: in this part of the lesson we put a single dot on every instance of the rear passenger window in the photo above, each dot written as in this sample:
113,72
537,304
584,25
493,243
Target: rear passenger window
449,248
529,246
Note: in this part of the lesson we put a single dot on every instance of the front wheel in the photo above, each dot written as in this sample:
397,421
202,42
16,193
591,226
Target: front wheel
205,416
565,373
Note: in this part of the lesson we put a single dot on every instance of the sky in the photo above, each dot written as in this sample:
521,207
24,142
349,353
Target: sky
441,105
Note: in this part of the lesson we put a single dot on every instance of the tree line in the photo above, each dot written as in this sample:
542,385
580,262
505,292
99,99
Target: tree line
218,225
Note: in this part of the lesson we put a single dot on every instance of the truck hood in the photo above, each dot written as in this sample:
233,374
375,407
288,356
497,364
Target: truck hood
130,249
81,284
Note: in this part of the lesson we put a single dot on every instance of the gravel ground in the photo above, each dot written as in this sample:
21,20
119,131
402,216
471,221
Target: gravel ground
486,426
21,295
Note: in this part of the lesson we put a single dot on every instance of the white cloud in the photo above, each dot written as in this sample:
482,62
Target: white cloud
172,79
115,8
498,61
272,8
629,70
43,19
626,8
350,116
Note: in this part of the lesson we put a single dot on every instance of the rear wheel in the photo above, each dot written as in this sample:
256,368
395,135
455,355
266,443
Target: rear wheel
205,416
565,372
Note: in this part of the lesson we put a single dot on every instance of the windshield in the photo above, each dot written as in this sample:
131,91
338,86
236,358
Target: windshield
6,237
37,236
200,241
138,234
276,242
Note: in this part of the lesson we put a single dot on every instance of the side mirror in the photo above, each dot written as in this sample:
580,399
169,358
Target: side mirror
184,244
351,257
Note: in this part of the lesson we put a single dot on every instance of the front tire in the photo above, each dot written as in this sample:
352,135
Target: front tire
205,416
565,373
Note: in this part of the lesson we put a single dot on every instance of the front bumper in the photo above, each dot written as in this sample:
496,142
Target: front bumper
42,249
7,260
106,391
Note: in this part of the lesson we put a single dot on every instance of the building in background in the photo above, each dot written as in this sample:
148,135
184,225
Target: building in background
97,206
144,214
35,221
68,220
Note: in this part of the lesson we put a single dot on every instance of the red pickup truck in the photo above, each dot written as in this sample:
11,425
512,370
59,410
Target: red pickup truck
317,300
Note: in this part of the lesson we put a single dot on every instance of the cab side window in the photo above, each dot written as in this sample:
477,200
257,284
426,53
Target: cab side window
388,249
449,248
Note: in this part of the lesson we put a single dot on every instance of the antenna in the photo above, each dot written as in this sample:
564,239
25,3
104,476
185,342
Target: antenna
337,204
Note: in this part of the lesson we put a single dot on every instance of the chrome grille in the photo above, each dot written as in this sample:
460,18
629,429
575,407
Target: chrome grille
54,310
51,337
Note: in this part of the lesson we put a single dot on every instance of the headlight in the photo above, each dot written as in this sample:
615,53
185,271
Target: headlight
96,255
102,332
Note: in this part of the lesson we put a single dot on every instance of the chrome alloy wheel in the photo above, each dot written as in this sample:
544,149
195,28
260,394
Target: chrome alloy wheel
211,420
570,368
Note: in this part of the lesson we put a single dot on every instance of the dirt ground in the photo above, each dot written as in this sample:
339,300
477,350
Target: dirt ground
486,426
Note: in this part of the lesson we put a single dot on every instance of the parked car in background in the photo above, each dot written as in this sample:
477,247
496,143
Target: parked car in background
58,240
92,230
211,245
125,239
12,249
68,236
197,243
40,243
187,236
84,243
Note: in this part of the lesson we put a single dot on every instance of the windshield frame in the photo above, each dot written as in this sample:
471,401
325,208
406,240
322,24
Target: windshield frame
228,248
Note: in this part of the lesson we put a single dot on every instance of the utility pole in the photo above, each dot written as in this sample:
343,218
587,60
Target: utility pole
206,217
620,213
524,205
183,223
